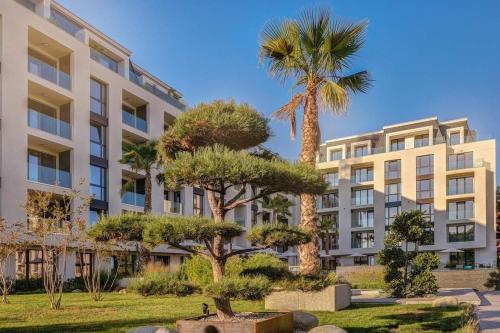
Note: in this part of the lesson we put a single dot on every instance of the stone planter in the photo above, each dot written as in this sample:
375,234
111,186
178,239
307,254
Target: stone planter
282,322
331,299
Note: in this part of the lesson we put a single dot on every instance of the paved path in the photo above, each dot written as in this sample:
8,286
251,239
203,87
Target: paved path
467,295
489,312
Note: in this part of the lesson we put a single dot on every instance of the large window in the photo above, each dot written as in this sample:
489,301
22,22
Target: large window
98,182
460,161
83,265
29,264
461,232
458,210
455,138
332,178
362,240
332,233
336,155
362,175
103,59
330,200
425,165
393,192
421,140
427,210
393,169
362,197
198,204
362,218
425,188
460,259
95,215
97,97
97,140
391,213
460,185
135,117
360,151
397,144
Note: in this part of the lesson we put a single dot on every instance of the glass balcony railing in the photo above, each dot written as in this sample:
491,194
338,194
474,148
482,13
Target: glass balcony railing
50,176
104,60
49,124
48,72
133,198
172,207
136,122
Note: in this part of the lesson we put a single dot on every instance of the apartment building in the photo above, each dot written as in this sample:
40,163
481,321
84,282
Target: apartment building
438,167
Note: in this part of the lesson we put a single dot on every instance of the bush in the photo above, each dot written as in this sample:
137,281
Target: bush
493,281
22,285
308,283
158,281
198,270
265,264
424,283
242,287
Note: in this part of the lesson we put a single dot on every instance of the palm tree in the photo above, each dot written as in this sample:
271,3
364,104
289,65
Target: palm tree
279,206
316,51
324,231
142,157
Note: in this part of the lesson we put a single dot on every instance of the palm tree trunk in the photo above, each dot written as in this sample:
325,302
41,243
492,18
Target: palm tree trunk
147,192
309,253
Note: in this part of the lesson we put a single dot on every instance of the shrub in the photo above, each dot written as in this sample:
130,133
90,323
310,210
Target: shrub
156,280
365,277
424,283
198,270
308,283
493,281
34,284
265,264
241,287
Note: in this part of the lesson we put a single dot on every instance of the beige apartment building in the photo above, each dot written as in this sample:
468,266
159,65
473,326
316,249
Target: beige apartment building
438,167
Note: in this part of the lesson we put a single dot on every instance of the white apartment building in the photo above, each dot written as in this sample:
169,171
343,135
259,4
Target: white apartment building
70,97
438,167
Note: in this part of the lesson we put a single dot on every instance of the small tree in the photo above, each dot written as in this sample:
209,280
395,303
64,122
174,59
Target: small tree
408,272
324,232
12,240
279,205
55,222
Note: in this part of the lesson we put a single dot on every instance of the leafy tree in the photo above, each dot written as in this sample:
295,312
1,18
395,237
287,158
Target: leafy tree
279,205
317,52
408,272
141,157
208,147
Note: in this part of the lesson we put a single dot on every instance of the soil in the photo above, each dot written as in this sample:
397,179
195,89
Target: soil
242,316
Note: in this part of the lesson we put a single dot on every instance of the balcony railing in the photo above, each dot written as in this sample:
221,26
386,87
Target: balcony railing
172,207
49,124
48,72
50,176
133,198
103,60
134,121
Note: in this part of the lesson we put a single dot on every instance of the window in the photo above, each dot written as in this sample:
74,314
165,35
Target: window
421,140
63,22
427,210
29,264
458,210
397,144
198,204
461,232
97,97
331,217
391,213
362,219
98,182
124,264
360,151
103,59
330,200
393,192
362,175
425,188
364,260
454,138
135,117
393,169
97,140
162,260
425,165
362,240
460,259
362,197
460,161
461,185
83,265
336,155
332,178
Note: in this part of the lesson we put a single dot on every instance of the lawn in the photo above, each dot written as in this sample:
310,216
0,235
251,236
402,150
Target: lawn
120,312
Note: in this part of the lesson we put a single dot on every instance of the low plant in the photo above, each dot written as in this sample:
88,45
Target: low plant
365,277
157,280
308,282
493,281
241,287
267,265
30,285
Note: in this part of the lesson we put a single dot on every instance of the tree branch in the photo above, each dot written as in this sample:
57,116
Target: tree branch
244,201
237,196
243,251
188,249
210,249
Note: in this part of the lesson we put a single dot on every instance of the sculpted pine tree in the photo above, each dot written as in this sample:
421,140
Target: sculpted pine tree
208,147
316,51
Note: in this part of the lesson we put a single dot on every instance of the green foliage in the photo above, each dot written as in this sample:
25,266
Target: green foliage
425,261
156,280
236,126
278,235
198,270
493,281
308,282
365,277
423,283
23,285
141,156
410,227
240,287
123,227
267,265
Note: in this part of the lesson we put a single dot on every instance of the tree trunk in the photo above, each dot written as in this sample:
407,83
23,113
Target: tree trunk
223,304
309,253
4,297
147,192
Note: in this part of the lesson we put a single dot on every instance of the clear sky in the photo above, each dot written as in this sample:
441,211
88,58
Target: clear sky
427,57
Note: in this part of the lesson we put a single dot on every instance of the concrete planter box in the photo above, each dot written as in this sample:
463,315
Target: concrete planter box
331,299
282,322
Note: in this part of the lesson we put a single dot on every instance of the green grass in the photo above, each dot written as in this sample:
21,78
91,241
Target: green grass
120,312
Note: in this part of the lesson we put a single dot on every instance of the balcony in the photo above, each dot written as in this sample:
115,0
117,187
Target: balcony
129,118
47,175
172,207
133,199
46,123
102,58
48,72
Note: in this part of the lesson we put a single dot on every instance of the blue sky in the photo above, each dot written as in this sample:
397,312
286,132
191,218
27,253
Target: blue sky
427,57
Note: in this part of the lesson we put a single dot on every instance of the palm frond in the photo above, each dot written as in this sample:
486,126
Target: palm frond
357,82
343,42
128,186
314,26
334,97
289,111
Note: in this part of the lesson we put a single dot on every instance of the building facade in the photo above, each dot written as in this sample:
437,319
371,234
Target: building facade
437,167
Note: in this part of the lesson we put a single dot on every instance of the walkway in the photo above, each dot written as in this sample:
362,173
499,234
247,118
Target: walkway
489,312
467,295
